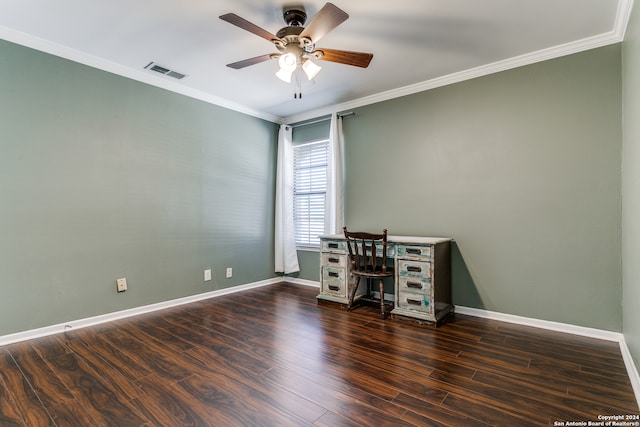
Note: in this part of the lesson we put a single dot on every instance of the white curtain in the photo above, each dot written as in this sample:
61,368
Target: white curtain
286,256
334,210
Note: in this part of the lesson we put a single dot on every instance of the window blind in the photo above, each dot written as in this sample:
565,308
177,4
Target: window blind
309,190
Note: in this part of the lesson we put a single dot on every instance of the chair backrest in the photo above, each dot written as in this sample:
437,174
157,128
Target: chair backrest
363,247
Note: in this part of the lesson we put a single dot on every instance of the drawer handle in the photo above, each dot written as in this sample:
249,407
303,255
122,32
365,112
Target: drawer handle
414,251
334,260
414,268
333,274
414,302
414,285
333,245
334,288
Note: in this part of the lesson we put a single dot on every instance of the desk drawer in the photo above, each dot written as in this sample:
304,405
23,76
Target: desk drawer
333,260
416,285
416,302
334,281
416,252
408,268
336,246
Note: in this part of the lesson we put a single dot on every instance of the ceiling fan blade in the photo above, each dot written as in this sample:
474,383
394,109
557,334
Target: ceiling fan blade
326,19
234,19
250,61
358,59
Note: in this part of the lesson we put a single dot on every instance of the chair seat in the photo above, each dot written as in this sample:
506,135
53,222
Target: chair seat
388,273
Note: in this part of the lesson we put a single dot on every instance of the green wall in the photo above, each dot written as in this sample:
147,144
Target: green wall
631,187
102,177
521,168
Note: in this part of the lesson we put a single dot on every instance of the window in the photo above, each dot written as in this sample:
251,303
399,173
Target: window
310,160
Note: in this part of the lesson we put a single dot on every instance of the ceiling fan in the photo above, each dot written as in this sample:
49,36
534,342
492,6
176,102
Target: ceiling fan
296,43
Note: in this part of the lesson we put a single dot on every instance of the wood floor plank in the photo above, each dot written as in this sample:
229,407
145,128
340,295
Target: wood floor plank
236,366
163,405
18,395
243,370
293,406
436,412
338,400
71,414
50,346
605,394
148,355
104,405
236,402
276,356
149,328
488,413
90,337
501,399
105,370
313,359
562,404
330,419
45,383
191,333
10,414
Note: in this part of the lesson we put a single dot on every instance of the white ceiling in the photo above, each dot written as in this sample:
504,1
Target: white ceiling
417,44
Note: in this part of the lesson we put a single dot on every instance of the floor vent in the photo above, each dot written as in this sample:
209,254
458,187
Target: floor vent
164,70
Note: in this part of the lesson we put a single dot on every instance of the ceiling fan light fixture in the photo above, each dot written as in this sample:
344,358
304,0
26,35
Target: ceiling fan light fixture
288,62
311,69
284,75
296,43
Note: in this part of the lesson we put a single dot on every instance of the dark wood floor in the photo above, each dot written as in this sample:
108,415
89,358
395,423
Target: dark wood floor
274,357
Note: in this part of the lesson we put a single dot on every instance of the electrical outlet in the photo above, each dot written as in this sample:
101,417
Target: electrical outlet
207,275
229,272
121,285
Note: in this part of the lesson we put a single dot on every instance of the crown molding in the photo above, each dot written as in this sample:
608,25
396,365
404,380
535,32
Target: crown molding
483,70
142,76
616,35
622,18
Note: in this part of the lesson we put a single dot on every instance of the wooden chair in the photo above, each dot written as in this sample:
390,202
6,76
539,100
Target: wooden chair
368,258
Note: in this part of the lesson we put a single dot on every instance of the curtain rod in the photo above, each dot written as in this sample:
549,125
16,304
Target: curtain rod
322,119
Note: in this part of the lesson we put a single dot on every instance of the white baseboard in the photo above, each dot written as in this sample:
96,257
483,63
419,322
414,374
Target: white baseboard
634,377
303,282
543,324
618,337
104,318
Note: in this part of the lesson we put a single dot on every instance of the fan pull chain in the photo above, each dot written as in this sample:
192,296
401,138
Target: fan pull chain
298,89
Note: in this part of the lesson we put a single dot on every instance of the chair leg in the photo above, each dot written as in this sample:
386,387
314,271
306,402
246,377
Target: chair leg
383,313
353,293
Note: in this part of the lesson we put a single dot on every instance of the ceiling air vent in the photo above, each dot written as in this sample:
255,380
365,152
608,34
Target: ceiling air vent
164,70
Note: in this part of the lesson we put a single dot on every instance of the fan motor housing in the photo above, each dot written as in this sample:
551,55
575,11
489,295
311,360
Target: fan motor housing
289,31
294,17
